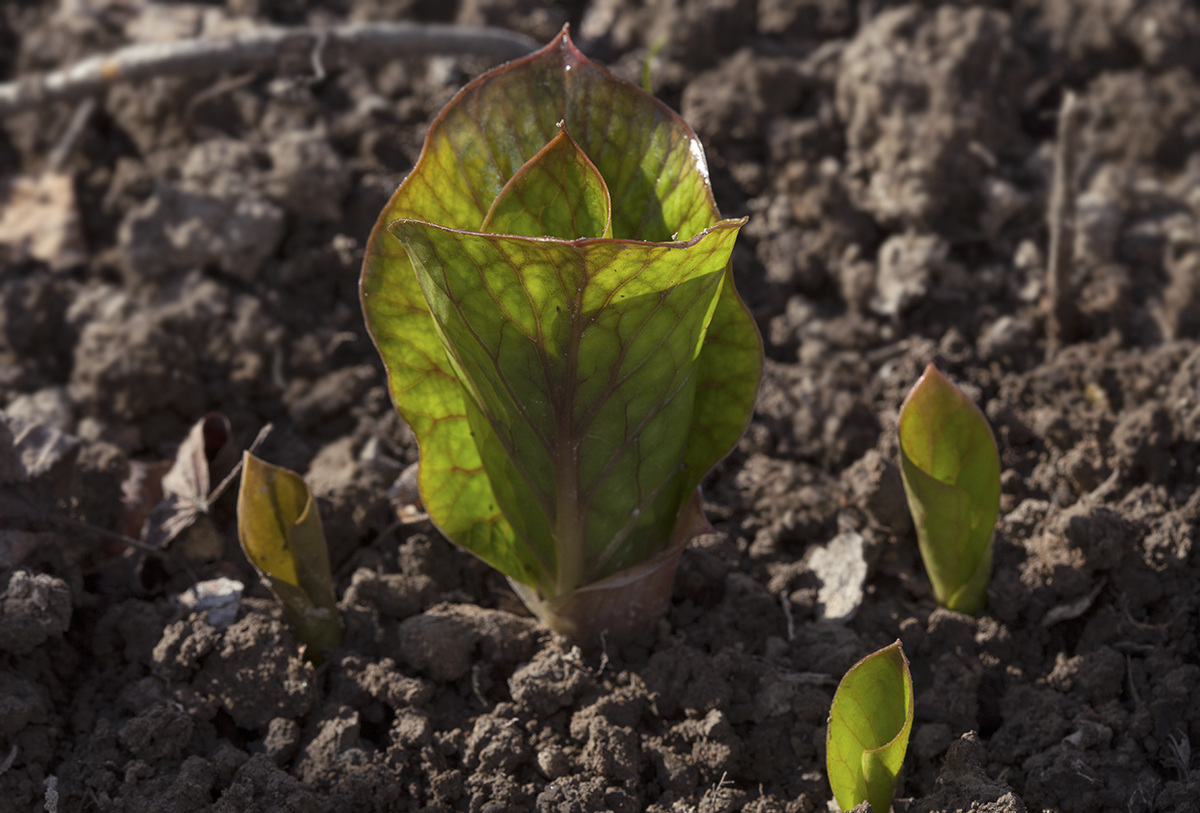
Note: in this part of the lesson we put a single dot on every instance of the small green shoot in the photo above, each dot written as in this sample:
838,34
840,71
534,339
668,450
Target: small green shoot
551,293
281,534
869,724
951,473
648,63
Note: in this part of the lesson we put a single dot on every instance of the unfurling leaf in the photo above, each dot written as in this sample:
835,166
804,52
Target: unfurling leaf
869,724
551,293
281,533
951,473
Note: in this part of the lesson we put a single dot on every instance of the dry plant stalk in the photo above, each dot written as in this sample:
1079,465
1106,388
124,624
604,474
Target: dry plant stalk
261,48
1061,313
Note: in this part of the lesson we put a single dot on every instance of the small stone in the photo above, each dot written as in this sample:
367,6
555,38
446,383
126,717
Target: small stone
842,569
220,598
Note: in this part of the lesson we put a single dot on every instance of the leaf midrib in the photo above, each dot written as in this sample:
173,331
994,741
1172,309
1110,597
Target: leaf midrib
570,520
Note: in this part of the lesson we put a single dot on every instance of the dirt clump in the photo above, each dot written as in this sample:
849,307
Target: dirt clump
895,160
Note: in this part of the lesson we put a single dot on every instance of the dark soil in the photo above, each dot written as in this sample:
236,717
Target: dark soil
895,161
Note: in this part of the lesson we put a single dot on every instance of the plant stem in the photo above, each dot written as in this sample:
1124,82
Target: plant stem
569,524
624,605
570,521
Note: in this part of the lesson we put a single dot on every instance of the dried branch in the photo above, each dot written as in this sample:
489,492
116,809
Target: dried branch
1062,314
70,137
322,47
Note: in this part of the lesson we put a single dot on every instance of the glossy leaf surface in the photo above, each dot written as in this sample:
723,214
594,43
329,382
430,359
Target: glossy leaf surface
281,533
551,295
869,725
951,473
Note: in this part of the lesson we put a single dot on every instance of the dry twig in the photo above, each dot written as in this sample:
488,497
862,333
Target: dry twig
70,137
257,49
1061,311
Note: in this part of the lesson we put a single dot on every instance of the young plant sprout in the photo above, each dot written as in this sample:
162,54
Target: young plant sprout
951,474
551,293
869,723
281,534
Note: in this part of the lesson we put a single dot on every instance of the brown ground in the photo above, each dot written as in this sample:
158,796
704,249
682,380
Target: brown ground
895,161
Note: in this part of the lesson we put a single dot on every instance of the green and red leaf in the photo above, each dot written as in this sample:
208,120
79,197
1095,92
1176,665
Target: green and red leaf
551,295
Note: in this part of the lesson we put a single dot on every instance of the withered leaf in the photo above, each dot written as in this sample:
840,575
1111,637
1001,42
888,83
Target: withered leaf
207,456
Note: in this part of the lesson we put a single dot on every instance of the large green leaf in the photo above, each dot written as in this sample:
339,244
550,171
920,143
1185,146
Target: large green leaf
281,534
568,391
951,474
586,380
869,724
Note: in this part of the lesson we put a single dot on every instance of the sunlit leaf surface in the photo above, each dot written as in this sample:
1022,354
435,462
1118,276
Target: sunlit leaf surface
551,295
869,724
281,533
951,473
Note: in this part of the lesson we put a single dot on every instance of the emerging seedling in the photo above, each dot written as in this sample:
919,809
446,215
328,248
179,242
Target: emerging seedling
281,534
869,724
951,473
551,294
